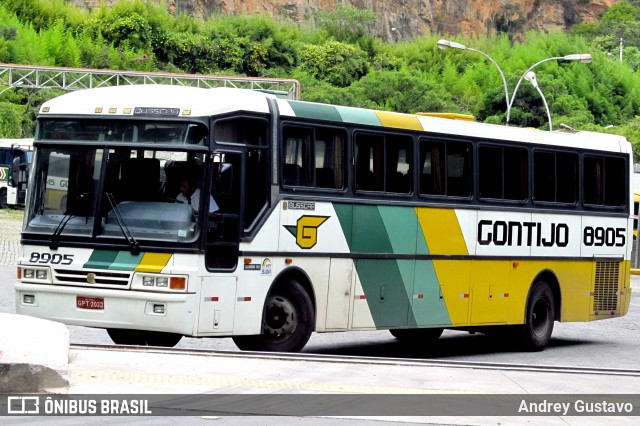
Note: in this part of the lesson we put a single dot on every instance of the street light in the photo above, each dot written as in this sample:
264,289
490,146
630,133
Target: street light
397,31
531,78
446,44
585,58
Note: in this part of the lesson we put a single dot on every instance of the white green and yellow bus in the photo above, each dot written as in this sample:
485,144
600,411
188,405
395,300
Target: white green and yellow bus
330,218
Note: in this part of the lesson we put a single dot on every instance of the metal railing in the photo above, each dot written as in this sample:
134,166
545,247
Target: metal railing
40,77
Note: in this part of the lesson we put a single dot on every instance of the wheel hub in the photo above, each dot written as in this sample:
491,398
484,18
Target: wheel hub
280,318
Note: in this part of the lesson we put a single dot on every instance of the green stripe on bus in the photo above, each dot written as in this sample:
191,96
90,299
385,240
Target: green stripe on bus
125,261
384,281
401,226
359,116
399,292
101,259
428,304
387,298
317,111
369,233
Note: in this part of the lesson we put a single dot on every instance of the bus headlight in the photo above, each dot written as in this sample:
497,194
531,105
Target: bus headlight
33,274
159,283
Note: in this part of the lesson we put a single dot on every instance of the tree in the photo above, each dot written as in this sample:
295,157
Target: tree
345,23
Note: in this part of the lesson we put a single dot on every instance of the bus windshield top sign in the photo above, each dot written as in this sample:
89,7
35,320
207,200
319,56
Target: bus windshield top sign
156,111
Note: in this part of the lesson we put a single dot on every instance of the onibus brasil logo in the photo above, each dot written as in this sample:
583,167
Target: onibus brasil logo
306,230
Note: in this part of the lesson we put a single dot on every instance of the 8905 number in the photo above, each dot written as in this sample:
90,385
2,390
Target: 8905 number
55,258
600,236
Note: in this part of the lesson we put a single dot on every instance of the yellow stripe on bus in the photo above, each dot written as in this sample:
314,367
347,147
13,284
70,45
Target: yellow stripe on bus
442,231
153,262
443,235
399,121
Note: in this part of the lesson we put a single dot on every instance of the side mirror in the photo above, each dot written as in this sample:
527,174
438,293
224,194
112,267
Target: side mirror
15,172
223,178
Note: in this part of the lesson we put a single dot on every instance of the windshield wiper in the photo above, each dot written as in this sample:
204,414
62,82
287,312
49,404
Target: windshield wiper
54,243
133,244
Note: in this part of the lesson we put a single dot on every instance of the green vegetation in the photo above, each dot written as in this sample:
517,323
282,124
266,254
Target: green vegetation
338,60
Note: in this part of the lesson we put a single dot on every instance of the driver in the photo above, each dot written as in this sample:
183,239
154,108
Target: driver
189,194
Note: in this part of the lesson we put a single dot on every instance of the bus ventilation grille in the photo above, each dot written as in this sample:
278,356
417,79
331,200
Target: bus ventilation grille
605,298
98,278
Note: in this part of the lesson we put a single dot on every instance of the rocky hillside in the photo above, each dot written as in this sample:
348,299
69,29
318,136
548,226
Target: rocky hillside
412,18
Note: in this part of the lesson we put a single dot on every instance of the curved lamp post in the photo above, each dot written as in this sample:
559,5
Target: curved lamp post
585,58
531,78
446,44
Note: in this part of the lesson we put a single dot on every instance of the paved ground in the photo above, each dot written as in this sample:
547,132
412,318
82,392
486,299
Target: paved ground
10,227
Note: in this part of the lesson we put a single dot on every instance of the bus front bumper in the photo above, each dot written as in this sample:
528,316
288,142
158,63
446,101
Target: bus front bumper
101,308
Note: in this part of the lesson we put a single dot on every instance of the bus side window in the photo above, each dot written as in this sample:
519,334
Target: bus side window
369,162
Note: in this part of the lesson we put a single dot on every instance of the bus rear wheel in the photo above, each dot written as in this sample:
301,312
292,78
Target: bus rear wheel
417,335
143,338
287,323
536,332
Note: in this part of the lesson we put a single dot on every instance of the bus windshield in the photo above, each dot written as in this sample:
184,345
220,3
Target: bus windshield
94,192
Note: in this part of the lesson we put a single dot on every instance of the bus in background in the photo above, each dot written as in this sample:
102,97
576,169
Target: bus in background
636,204
329,218
15,157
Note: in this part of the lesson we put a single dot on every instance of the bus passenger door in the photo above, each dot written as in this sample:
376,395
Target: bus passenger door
222,237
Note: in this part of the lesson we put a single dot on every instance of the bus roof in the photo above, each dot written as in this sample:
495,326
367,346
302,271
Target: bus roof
165,100
125,100
24,143
454,128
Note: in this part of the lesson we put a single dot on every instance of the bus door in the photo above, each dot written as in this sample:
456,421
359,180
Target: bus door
239,189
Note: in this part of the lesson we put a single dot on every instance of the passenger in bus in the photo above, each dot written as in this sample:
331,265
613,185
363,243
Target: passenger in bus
190,194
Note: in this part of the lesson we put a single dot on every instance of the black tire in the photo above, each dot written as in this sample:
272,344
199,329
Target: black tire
536,332
3,198
143,338
417,336
287,324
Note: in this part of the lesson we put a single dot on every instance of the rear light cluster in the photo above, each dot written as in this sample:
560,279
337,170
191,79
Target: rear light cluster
159,282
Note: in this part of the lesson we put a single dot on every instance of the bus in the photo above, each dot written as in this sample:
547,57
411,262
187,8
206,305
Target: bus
329,218
15,157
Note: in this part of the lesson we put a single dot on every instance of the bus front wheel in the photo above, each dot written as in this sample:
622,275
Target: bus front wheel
143,338
536,332
287,323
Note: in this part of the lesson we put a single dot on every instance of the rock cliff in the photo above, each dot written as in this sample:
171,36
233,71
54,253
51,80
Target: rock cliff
412,18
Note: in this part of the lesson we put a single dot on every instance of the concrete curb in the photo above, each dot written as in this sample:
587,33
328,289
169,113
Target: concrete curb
26,378
32,351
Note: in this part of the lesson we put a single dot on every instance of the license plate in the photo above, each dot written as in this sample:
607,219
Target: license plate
84,302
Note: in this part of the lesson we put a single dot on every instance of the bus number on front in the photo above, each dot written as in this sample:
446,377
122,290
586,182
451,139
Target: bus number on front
54,259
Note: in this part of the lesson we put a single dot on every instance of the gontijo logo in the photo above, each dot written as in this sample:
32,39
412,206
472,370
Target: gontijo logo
306,230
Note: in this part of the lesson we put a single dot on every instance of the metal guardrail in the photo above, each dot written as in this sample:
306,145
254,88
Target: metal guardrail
40,77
